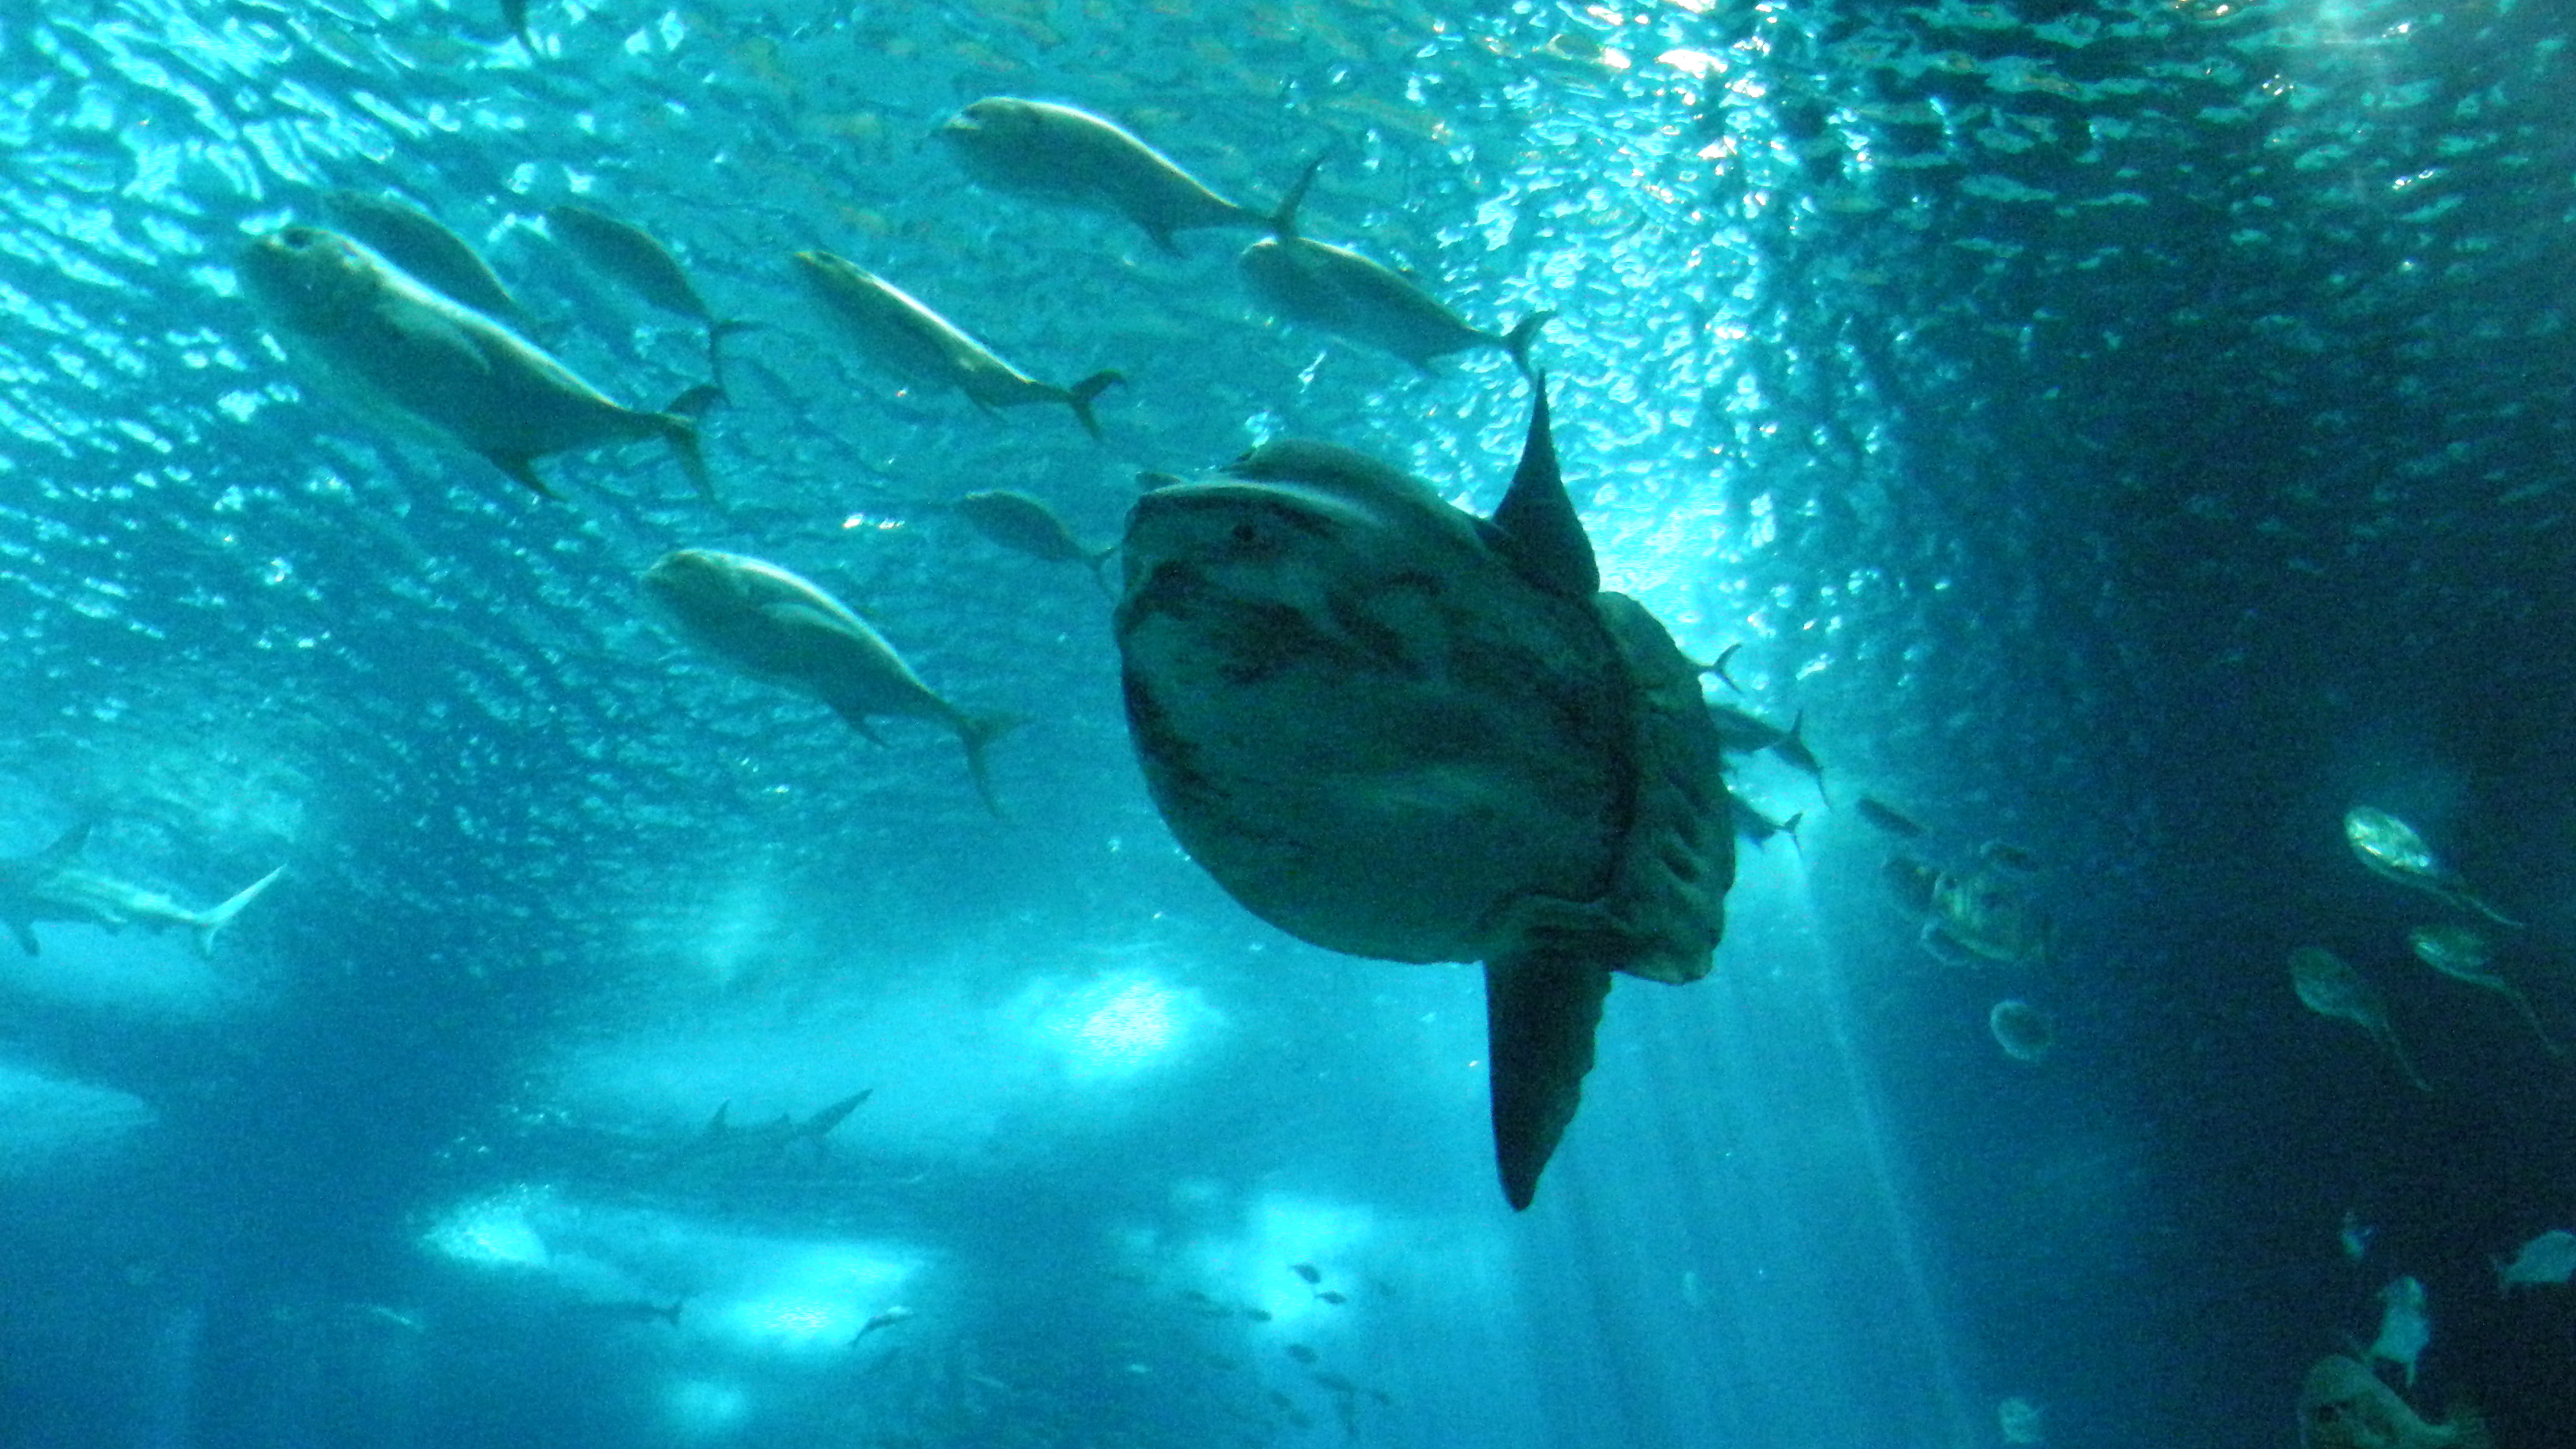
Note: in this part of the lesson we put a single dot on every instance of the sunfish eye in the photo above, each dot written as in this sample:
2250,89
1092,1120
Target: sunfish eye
1245,533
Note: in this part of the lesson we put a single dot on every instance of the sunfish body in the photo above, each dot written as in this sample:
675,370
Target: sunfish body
1054,153
51,886
898,333
630,254
2343,1405
1399,731
423,247
413,359
772,626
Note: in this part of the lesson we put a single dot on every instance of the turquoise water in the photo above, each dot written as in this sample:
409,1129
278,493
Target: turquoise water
2130,431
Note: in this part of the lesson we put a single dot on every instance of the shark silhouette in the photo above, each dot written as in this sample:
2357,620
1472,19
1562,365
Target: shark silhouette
51,886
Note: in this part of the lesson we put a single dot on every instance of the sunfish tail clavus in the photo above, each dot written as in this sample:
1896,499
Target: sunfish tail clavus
51,885
902,335
412,359
1396,730
774,626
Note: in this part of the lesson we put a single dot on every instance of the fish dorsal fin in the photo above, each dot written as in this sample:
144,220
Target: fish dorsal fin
1537,525
64,849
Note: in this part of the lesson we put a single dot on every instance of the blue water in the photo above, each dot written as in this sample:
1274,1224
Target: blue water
2133,431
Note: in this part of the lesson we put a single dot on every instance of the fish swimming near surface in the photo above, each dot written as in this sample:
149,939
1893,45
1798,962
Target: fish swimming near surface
2547,1259
903,336
51,885
1056,153
1016,521
722,1138
432,255
2405,1326
884,1318
412,359
2343,1405
1397,730
630,254
772,626
1334,289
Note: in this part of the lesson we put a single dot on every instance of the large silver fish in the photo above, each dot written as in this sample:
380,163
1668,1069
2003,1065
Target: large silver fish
1393,729
436,257
414,360
50,885
1055,153
1334,289
773,626
630,254
900,334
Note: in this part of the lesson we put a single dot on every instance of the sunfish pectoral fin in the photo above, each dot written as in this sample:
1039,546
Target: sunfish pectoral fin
212,923
65,848
1541,533
1541,1010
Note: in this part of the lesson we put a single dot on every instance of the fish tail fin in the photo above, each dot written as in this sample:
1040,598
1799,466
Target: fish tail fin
1517,341
976,732
1079,396
1540,1012
1283,220
717,332
1717,666
1100,569
212,923
1789,828
679,425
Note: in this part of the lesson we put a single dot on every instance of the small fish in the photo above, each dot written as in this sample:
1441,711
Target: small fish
2405,1328
1307,1271
51,886
1257,1315
1334,289
435,257
886,1318
1016,521
1331,1297
1914,885
2464,953
2547,1259
1744,733
773,626
2328,985
1055,153
2343,1405
2391,848
1792,747
1754,826
1890,819
629,253
903,336
1301,1353
414,360
2354,1236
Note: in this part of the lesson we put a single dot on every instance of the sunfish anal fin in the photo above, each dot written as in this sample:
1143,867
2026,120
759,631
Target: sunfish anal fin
1539,530
1540,1013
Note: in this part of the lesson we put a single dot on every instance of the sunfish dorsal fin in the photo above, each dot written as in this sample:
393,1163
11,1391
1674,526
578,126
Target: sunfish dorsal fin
1537,525
66,846
1540,1012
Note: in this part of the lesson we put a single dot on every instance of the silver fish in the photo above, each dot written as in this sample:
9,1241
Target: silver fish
435,257
413,359
772,626
50,885
629,253
897,332
1016,521
1055,153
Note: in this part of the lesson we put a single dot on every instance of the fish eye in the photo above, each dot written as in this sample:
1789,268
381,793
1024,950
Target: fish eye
1246,534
